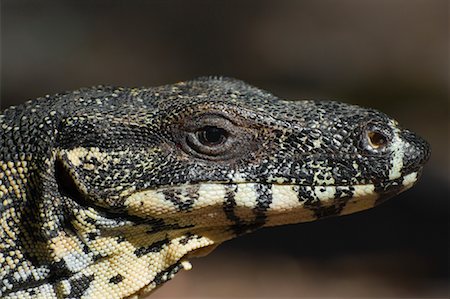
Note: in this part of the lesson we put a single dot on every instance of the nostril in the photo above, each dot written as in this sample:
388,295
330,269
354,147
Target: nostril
425,151
418,151
376,139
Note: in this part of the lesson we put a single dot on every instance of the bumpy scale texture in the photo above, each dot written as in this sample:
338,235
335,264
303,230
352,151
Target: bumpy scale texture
106,192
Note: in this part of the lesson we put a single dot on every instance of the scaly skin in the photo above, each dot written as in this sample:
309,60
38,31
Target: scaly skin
106,192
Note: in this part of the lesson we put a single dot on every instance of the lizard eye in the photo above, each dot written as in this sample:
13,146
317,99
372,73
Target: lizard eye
212,136
209,140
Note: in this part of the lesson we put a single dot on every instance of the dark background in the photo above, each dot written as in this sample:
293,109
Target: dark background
388,54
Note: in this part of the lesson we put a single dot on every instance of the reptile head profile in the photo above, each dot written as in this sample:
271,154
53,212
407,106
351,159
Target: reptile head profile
139,180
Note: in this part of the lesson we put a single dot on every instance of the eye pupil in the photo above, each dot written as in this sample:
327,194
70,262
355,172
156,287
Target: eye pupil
211,135
376,139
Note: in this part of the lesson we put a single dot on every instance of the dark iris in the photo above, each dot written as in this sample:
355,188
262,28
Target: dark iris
376,139
211,135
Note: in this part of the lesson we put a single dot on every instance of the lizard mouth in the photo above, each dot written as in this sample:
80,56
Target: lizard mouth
236,203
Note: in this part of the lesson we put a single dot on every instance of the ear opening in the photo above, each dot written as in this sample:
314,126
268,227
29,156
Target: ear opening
66,183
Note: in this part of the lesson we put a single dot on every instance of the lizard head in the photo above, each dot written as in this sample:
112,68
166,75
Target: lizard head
167,171
223,131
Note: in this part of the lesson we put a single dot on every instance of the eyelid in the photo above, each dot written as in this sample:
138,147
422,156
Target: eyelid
209,119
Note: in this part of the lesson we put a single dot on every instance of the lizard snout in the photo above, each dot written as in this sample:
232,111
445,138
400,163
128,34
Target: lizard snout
417,151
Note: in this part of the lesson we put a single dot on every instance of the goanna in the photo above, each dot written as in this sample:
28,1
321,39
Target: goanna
107,192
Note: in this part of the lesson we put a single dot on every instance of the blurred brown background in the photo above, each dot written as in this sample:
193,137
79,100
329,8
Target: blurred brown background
387,54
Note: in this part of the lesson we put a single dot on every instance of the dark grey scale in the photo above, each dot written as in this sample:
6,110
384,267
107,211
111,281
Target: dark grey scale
166,274
321,176
94,161
92,236
154,247
59,269
388,189
120,239
85,248
305,194
186,238
78,286
344,192
116,279
174,196
90,220
98,256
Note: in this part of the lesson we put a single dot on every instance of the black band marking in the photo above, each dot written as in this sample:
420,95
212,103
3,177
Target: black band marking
116,279
154,247
78,286
229,208
174,196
